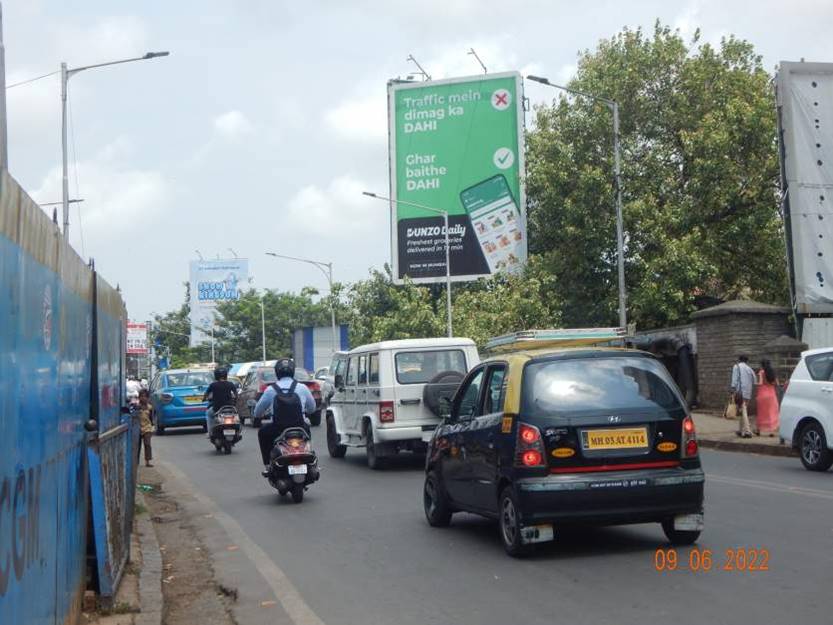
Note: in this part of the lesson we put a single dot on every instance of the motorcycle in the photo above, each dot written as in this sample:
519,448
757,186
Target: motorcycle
226,429
294,464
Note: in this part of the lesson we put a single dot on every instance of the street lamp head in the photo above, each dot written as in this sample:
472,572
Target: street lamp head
541,79
153,55
369,194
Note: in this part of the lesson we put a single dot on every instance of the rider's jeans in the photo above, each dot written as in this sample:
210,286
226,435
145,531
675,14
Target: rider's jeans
209,419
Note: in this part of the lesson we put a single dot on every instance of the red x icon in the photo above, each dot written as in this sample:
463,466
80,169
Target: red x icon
500,99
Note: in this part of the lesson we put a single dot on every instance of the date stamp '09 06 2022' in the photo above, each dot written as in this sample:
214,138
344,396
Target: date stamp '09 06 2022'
740,559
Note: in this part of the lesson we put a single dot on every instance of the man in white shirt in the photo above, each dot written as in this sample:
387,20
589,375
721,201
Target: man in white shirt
133,388
743,383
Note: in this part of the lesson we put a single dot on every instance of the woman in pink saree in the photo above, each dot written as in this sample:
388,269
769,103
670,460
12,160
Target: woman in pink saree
766,399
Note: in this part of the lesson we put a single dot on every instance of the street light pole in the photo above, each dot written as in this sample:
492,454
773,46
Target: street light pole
620,236
66,74
444,213
329,275
262,329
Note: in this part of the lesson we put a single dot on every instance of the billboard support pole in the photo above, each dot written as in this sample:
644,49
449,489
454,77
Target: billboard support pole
444,213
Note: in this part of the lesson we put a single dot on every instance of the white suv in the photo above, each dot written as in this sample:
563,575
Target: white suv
807,410
389,398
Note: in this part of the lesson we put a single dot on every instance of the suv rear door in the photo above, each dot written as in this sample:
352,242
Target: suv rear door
599,411
413,369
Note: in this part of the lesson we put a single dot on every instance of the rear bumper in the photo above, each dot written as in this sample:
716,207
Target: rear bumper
171,416
387,434
611,498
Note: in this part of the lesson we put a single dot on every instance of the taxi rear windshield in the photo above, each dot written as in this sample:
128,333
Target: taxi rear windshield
620,384
422,367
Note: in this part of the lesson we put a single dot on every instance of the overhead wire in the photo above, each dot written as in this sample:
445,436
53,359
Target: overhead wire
26,82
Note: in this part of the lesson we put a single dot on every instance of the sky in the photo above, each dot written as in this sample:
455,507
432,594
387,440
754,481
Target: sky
268,119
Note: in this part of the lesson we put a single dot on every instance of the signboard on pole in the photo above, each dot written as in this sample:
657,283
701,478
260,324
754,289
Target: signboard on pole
804,93
137,338
213,281
457,145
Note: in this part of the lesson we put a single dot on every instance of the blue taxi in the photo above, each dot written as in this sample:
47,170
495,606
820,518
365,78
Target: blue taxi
176,395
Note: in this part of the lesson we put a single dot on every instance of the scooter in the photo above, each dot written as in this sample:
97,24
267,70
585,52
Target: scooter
294,464
226,430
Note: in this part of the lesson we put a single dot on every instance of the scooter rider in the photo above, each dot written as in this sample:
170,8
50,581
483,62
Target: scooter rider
220,393
290,403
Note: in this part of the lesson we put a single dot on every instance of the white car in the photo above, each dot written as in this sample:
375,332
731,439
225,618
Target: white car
807,410
389,396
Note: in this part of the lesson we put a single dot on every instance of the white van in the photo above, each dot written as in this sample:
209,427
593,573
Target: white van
389,397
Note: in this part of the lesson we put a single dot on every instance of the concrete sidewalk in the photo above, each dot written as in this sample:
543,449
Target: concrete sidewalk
715,432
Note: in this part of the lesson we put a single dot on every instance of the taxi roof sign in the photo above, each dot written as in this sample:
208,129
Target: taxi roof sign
564,337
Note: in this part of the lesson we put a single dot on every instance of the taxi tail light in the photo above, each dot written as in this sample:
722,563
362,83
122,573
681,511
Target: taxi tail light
263,387
690,447
530,448
166,398
386,412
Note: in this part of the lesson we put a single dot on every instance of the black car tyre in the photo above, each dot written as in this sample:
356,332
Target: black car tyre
298,493
160,429
441,386
204,428
374,461
679,538
315,418
336,450
812,445
435,502
510,524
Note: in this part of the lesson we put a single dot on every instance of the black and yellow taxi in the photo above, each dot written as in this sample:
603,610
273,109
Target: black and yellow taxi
544,438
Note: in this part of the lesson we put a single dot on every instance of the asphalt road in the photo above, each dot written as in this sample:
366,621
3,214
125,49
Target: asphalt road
358,548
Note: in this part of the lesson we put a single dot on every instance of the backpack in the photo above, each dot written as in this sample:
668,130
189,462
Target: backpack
286,407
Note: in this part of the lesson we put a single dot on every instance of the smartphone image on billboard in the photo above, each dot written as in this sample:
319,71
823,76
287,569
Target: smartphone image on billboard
496,219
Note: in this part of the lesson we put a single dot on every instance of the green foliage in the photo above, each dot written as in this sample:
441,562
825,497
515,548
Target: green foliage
700,167
238,331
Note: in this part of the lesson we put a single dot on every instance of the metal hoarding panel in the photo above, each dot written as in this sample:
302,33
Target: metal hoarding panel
213,281
45,362
805,107
457,145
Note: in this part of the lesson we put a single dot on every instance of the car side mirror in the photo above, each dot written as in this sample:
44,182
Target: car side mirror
339,382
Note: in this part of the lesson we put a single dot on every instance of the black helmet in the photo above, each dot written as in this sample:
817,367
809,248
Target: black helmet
285,368
220,373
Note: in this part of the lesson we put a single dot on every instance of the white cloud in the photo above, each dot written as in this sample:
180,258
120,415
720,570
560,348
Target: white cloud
107,38
338,210
117,198
232,125
363,117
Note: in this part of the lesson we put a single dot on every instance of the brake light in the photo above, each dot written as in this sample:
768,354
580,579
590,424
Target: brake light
529,434
689,446
166,398
386,414
530,448
313,386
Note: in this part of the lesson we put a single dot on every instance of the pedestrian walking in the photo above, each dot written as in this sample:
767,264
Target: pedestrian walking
146,419
766,400
743,382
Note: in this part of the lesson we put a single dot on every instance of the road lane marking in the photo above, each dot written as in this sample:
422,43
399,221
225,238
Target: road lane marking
285,592
781,488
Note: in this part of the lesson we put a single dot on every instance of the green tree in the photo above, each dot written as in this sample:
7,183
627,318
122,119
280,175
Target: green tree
238,330
508,303
699,180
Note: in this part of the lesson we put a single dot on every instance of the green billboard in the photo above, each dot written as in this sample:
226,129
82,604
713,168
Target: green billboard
456,145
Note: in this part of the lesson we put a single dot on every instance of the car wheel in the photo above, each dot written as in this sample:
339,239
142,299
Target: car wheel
315,418
160,429
510,525
374,461
204,428
815,456
679,538
435,502
336,450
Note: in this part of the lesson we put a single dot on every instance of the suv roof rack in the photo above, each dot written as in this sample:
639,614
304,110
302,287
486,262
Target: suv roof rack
563,337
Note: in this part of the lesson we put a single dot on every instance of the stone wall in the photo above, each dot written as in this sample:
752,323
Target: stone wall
726,331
